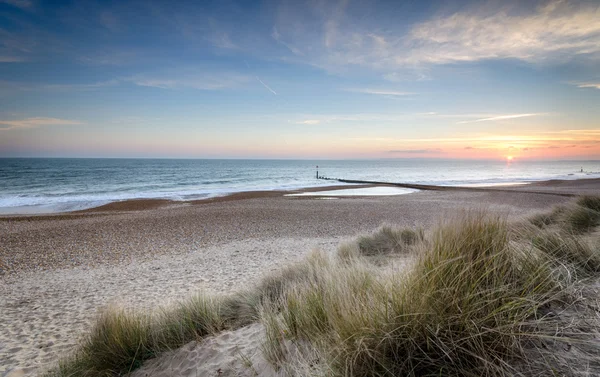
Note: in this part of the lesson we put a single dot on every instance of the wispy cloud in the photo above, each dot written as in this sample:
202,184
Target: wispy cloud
416,151
6,125
116,58
222,40
402,117
266,86
20,86
11,59
594,85
381,92
23,4
585,136
309,121
556,31
200,82
277,37
92,86
501,117
335,118
553,30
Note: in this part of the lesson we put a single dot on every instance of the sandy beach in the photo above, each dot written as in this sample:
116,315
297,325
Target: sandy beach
59,271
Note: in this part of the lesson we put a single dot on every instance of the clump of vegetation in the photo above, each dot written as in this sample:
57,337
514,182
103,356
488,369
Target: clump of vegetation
569,248
581,219
578,217
542,220
462,310
590,202
122,340
475,302
388,240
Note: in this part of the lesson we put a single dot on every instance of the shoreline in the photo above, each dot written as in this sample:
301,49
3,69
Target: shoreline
547,187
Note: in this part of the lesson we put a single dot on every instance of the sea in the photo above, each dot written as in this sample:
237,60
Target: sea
47,185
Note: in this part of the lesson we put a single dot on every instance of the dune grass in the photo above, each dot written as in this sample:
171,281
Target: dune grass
590,202
122,340
466,307
578,217
475,302
581,219
388,240
569,248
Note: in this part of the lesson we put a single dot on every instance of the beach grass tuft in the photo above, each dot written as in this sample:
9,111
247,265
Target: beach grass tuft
463,310
581,219
389,240
122,340
570,248
590,202
578,217
542,220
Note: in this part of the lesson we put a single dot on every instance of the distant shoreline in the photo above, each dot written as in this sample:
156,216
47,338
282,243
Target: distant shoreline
551,187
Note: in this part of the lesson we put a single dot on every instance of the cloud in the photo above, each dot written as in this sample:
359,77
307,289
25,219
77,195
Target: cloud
553,30
413,117
537,138
381,92
337,39
266,86
277,37
6,125
23,4
309,121
595,85
116,58
200,82
413,74
93,86
500,117
20,86
223,41
416,151
11,59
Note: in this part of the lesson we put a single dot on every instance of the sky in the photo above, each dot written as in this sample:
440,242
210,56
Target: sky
294,79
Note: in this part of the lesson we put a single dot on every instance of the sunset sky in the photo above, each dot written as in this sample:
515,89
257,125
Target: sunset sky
292,79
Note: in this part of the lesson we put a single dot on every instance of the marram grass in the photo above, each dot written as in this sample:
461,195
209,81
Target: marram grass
463,310
474,303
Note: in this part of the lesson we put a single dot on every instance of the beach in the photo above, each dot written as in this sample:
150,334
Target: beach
59,271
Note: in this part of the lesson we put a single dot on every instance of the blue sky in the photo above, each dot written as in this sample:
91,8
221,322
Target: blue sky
315,79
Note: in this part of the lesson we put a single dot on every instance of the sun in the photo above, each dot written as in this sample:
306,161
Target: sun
509,158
